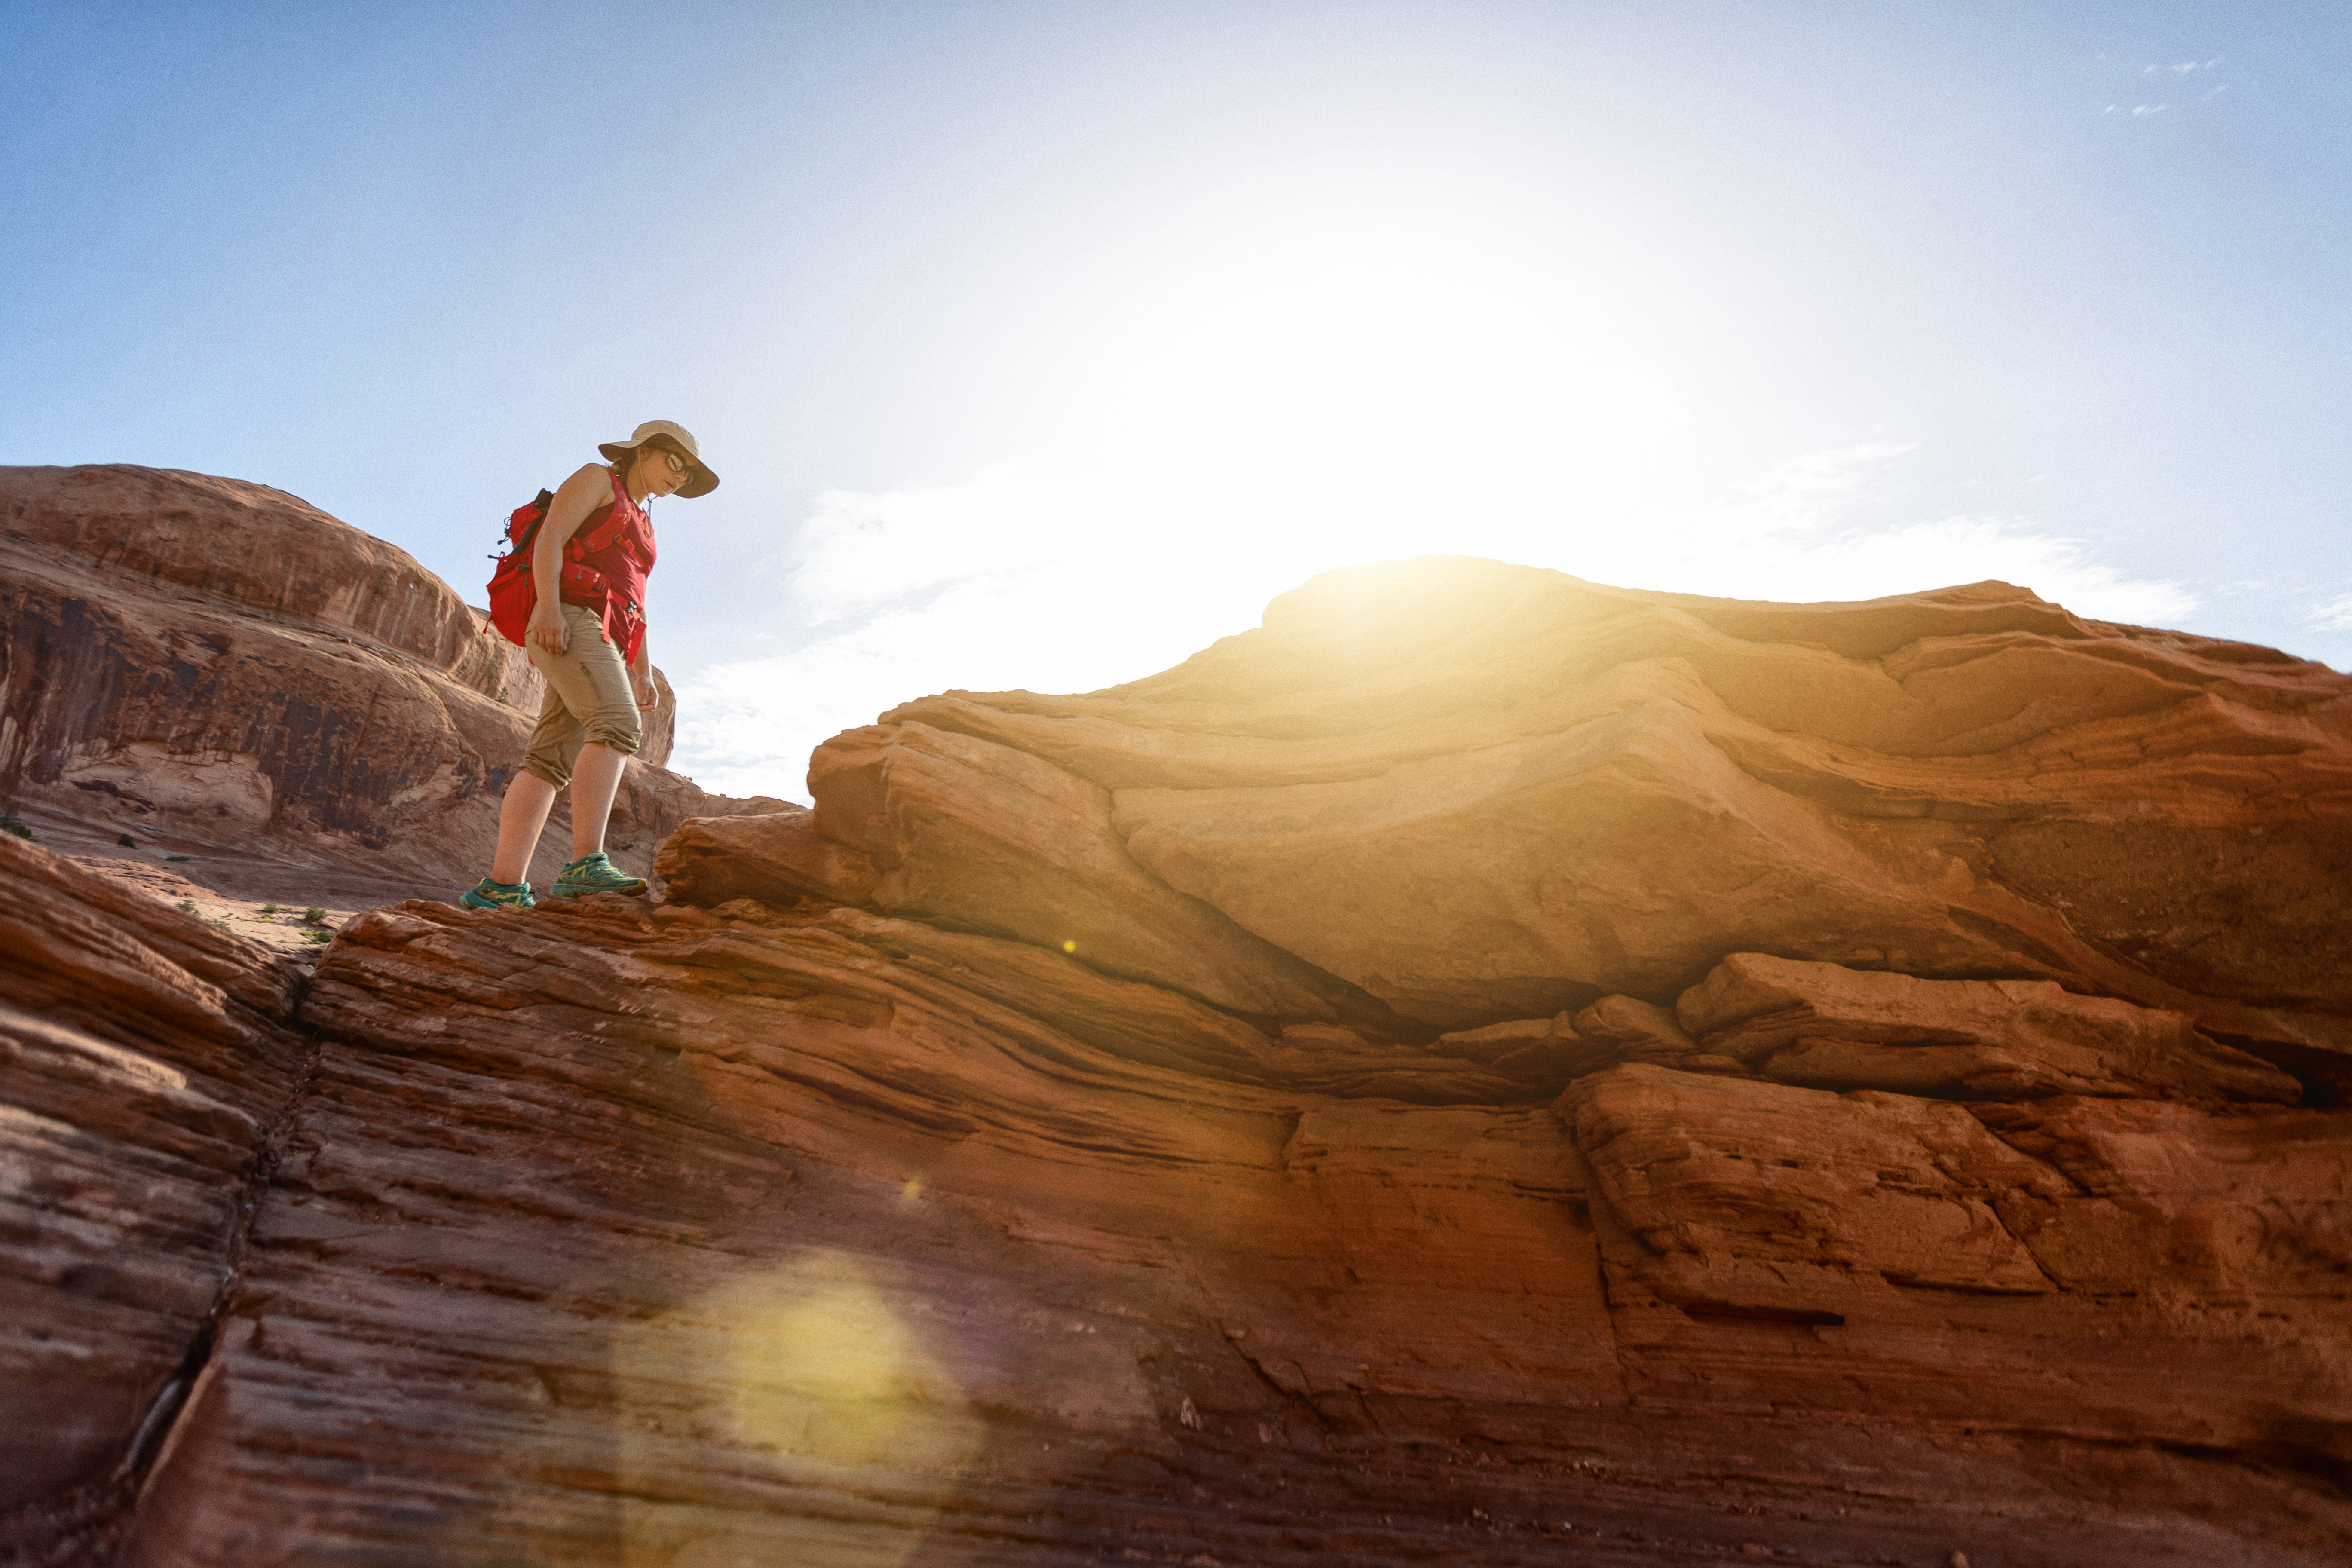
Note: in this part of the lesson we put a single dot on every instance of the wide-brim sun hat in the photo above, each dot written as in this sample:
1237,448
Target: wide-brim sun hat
701,482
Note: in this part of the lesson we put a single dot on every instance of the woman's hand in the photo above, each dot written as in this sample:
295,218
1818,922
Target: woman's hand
641,675
547,632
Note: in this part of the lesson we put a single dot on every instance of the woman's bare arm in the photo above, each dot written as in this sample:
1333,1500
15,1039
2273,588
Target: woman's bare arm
582,494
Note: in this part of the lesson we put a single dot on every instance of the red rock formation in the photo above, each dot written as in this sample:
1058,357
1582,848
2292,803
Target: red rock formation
713,861
992,1174
1968,1039
1478,791
146,1057
230,669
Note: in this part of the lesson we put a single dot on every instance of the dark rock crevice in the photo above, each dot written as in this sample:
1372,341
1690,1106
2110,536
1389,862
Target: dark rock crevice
156,1430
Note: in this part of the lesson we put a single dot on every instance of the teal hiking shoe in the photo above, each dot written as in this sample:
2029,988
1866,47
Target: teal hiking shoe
595,874
489,895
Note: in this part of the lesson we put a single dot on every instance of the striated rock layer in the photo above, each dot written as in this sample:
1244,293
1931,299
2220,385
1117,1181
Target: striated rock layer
1472,791
985,1168
227,668
146,1057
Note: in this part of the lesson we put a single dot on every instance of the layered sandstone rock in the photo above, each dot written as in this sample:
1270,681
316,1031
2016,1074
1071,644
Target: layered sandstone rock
769,855
145,1056
1478,791
224,666
1483,1070
610,1235
1972,1039
990,836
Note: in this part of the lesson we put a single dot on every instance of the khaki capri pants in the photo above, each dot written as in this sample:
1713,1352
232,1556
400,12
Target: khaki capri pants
588,698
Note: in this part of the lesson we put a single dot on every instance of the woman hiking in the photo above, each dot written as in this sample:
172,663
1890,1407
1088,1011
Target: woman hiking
589,642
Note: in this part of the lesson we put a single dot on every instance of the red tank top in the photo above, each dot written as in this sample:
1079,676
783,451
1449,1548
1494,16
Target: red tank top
622,565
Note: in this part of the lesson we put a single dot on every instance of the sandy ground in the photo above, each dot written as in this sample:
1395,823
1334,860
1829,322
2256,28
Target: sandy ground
237,891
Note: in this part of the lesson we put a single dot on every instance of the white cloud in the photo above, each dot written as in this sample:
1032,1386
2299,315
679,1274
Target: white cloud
2013,549
858,552
1072,583
747,728
1815,527
2335,616
2141,108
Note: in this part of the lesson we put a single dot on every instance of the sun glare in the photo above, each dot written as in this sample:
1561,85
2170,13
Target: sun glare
1323,366
815,1364
1320,349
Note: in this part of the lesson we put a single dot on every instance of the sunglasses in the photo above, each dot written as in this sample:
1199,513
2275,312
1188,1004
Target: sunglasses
678,464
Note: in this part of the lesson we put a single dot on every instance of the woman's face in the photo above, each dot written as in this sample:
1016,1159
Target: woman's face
662,470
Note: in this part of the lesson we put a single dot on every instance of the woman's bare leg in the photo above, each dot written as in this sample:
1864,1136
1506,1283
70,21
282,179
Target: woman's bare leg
595,780
522,816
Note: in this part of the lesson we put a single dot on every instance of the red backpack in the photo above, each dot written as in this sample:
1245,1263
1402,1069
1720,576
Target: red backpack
512,593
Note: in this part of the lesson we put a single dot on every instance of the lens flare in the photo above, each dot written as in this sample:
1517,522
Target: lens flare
813,1371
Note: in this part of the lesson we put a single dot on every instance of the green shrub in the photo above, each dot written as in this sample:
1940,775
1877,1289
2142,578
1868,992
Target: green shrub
186,906
128,842
175,856
321,937
313,915
11,822
269,909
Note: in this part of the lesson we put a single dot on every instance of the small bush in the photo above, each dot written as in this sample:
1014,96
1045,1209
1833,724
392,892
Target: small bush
128,842
175,856
220,921
269,909
186,906
313,915
321,937
11,822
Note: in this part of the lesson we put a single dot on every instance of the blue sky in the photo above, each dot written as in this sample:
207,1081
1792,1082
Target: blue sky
1040,343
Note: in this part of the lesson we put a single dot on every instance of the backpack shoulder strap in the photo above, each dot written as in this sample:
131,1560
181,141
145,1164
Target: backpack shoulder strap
615,523
603,535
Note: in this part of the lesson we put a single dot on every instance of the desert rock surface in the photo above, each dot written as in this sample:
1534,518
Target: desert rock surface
1468,790
1485,1068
